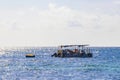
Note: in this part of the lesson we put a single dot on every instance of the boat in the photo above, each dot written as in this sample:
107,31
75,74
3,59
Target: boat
30,55
82,51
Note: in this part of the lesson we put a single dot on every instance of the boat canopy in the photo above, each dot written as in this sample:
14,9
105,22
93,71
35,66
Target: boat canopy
74,45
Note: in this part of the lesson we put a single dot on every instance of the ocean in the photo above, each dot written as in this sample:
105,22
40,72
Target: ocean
104,65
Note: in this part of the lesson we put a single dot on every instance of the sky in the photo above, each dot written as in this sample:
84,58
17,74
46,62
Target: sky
56,22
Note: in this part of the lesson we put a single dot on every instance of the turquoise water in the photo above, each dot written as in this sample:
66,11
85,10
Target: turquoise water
105,65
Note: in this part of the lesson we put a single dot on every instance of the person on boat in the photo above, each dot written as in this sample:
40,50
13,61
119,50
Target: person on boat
70,51
76,51
59,52
82,52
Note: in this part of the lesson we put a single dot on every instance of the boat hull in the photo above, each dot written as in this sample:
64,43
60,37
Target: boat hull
30,56
89,55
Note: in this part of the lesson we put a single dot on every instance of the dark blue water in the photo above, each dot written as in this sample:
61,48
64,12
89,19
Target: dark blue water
105,65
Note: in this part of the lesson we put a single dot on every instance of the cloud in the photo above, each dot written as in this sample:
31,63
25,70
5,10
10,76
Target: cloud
56,25
116,2
74,24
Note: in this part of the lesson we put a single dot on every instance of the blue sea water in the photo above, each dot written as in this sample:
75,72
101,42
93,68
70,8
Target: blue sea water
105,65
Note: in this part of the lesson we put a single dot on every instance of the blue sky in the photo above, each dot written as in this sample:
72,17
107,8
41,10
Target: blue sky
56,22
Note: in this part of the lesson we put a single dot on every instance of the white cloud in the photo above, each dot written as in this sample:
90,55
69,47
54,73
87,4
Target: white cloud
55,25
116,2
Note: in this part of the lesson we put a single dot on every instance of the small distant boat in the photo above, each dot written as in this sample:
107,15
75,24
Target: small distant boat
73,51
30,55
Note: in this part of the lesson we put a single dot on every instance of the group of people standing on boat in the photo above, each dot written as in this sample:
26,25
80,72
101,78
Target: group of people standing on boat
73,51
68,51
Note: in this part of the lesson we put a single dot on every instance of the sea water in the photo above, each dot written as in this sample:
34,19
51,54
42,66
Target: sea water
104,65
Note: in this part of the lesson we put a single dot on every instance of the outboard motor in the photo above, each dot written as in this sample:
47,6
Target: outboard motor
89,54
54,55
